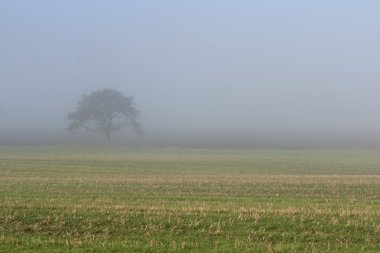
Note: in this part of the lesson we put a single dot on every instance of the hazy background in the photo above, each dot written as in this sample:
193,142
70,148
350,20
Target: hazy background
203,73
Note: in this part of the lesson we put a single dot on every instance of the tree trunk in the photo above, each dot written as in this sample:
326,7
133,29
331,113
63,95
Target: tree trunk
108,134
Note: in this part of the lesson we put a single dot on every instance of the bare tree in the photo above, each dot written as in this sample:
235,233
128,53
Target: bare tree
105,111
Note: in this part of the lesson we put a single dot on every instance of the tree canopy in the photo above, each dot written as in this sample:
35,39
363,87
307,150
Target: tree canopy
105,112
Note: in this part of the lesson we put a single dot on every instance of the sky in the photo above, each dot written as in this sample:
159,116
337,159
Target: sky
298,65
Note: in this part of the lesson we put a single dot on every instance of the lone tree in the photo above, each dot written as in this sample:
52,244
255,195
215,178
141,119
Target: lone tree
105,112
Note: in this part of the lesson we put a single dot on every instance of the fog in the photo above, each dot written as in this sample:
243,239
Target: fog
203,73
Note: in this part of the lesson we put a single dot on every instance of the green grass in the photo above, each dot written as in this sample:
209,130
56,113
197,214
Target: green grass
60,199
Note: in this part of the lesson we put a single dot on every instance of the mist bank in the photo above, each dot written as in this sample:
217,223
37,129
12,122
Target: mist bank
201,138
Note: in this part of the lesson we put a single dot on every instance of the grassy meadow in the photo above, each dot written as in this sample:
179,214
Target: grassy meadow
61,199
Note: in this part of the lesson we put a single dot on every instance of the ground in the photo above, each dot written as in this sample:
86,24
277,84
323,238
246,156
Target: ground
82,199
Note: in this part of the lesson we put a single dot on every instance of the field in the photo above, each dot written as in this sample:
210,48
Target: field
60,199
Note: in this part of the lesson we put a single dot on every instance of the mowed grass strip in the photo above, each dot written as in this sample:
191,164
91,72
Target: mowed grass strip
59,199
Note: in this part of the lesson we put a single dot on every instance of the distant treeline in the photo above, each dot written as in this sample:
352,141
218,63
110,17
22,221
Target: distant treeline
201,138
